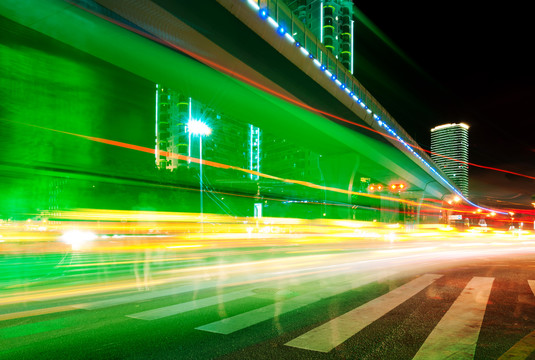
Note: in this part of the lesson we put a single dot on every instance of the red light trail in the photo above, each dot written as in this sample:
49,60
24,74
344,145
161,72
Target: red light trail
259,86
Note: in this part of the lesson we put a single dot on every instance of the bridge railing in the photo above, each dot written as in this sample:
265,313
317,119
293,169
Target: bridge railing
281,13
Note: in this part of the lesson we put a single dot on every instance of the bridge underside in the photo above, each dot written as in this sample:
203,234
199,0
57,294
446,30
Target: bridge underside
347,151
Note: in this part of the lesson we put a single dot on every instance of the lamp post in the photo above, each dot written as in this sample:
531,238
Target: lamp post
197,127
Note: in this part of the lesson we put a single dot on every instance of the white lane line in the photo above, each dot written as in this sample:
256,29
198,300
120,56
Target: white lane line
253,317
191,305
456,334
326,337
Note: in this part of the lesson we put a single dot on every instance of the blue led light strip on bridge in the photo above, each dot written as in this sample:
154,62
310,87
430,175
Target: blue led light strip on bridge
264,15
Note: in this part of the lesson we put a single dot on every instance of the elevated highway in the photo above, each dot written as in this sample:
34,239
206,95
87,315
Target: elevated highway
243,60
233,35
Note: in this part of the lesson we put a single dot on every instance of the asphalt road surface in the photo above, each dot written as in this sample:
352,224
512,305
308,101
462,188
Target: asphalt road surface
410,301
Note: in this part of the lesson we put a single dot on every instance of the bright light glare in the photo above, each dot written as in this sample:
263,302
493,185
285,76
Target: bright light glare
197,127
289,37
253,4
273,22
77,238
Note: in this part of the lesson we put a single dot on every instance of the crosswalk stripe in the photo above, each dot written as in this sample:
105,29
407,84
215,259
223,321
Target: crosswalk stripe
147,295
456,334
171,310
331,334
207,284
522,349
253,317
532,285
526,346
190,305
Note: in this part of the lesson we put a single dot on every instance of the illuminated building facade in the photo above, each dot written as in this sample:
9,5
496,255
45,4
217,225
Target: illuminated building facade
449,146
230,142
332,22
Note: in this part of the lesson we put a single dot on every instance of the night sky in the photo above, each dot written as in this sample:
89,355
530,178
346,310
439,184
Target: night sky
449,62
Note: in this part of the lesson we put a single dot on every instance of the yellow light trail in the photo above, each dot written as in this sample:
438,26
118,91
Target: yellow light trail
109,263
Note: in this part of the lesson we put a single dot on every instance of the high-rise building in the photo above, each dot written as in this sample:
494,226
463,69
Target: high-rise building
449,146
332,22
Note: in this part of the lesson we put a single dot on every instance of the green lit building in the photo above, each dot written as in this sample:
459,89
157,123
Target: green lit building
235,143
332,22
230,142
449,146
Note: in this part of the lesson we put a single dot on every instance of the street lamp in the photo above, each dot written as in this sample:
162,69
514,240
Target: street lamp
197,127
